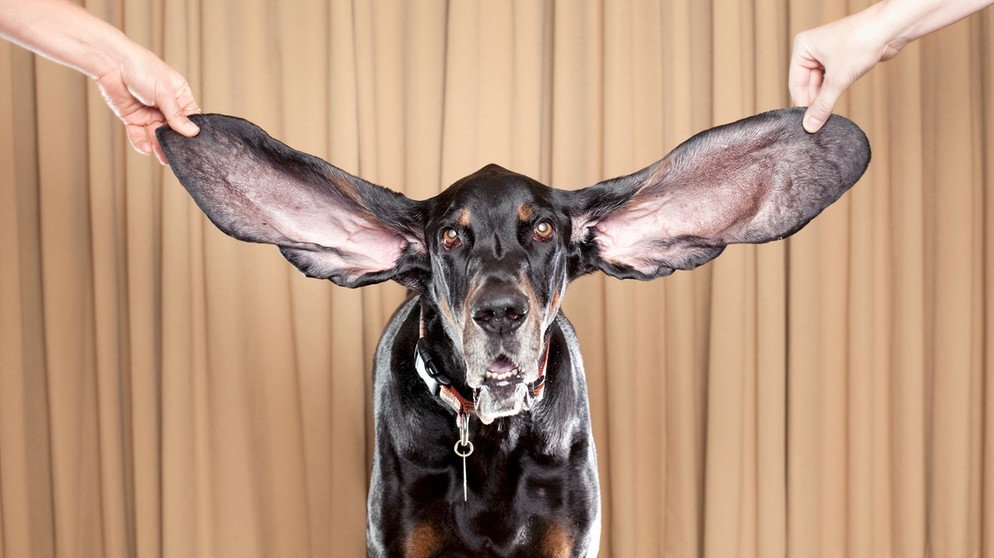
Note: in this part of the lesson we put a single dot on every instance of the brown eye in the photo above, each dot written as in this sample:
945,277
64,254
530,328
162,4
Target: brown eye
544,231
450,239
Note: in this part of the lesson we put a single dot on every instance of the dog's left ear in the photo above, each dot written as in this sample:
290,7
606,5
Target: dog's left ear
752,181
328,223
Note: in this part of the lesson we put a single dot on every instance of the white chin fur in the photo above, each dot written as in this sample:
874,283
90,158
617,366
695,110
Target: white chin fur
494,402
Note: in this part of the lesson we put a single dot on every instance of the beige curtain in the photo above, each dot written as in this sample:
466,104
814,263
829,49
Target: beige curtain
166,391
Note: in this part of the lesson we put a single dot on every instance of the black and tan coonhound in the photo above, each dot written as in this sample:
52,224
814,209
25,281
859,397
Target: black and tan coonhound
483,437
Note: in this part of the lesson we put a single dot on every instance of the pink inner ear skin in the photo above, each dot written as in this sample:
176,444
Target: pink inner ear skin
632,236
661,230
376,247
623,239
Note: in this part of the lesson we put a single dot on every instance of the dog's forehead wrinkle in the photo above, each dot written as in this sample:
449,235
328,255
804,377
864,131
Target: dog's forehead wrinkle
496,189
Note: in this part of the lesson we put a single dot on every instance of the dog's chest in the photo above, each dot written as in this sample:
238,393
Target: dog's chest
516,500
530,480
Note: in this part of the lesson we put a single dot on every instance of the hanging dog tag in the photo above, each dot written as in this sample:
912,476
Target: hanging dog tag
464,451
463,448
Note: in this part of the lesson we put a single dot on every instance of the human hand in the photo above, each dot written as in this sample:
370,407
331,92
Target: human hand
145,93
827,60
141,89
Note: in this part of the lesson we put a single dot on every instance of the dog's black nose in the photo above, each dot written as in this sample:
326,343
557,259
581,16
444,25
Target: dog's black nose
499,308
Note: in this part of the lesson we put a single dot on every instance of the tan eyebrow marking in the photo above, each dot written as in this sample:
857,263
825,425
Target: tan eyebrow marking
525,212
464,217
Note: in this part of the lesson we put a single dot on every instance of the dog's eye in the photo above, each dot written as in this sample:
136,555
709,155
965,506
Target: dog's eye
544,231
450,238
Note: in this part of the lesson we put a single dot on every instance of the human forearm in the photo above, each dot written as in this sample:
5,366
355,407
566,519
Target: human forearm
66,33
899,22
908,20
141,89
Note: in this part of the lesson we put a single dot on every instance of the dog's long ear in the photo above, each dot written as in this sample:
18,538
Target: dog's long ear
752,181
328,223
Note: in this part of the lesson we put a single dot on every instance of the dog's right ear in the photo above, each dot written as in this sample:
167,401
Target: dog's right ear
328,223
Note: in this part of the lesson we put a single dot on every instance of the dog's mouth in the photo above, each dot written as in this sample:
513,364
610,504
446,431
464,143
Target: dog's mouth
504,392
501,371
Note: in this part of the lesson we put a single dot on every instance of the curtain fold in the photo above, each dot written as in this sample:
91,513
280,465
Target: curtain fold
166,391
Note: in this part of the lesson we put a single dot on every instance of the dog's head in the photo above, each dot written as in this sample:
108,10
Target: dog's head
494,252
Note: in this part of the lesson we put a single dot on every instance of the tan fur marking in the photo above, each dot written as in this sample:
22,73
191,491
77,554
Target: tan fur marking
443,305
473,287
533,306
525,212
557,542
526,286
464,217
450,318
422,542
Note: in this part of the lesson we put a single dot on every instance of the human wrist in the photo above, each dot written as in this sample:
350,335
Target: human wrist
886,27
904,21
900,22
104,52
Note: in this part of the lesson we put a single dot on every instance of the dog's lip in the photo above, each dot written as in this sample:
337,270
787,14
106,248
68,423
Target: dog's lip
502,369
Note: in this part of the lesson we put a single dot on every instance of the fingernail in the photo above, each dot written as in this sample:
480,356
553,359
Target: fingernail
811,124
191,129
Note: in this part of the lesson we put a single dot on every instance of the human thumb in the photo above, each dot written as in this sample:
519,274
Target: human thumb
821,107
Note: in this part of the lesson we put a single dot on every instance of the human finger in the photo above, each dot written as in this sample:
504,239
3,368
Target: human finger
156,147
138,137
177,107
805,88
821,107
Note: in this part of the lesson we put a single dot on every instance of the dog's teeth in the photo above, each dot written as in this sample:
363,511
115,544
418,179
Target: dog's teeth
502,375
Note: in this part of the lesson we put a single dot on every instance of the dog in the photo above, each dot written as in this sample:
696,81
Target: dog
483,439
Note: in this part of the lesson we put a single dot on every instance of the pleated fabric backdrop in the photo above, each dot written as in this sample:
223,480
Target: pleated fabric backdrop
166,391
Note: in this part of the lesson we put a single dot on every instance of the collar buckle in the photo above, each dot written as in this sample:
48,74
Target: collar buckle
428,370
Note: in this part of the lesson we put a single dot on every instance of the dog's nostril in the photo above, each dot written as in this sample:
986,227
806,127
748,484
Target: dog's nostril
483,315
512,314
